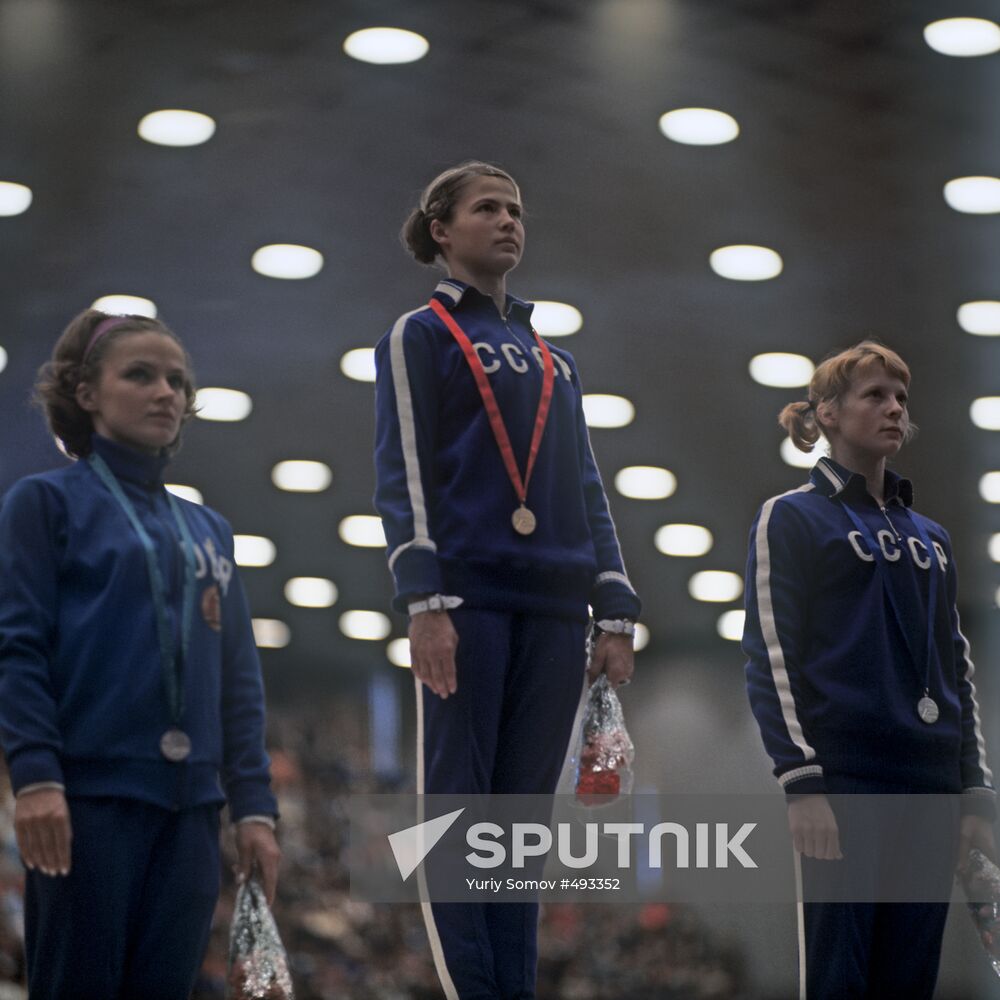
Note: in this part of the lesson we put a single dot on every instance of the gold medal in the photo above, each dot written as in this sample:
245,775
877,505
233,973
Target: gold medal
523,520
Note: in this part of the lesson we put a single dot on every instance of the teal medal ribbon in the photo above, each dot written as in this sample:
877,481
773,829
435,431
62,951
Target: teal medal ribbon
927,708
175,744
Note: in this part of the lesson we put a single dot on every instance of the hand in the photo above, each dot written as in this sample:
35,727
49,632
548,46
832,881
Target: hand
613,655
44,832
814,828
433,641
975,832
256,845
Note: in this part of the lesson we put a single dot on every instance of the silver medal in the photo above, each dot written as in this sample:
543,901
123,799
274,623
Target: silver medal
927,710
175,745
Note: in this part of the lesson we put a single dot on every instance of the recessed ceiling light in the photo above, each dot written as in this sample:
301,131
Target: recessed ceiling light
300,476
603,410
791,455
185,492
781,370
683,540
980,318
730,624
359,364
974,195
311,592
555,319
364,530
989,487
270,633
645,482
226,405
985,413
715,585
386,46
14,198
371,625
963,36
288,261
699,126
641,638
253,550
745,262
173,127
398,652
3,359
125,305
994,547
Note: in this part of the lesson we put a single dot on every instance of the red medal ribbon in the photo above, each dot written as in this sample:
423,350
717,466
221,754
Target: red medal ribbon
493,409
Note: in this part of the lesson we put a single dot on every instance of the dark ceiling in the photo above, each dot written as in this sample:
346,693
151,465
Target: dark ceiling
851,126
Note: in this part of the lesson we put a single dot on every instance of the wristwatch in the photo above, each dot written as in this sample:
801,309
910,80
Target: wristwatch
616,626
433,602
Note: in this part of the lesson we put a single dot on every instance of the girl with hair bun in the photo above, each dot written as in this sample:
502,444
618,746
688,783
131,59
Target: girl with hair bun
861,682
131,702
498,535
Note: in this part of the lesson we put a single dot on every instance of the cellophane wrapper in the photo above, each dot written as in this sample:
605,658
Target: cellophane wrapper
981,882
258,964
604,752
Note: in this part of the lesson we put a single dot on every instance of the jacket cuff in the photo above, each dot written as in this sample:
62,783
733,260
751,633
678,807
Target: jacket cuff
979,801
416,571
612,597
250,798
33,767
804,780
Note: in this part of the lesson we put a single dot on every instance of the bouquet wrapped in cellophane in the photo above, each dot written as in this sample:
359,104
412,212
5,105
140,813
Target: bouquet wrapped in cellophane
604,752
258,964
981,882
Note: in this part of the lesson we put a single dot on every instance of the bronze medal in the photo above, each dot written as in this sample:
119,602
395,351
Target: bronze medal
175,745
523,520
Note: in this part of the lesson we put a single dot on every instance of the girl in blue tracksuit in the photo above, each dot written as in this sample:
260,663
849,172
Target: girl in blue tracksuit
859,675
498,535
131,703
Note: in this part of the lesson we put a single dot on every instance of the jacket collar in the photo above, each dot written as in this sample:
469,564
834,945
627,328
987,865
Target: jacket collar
833,480
451,292
129,464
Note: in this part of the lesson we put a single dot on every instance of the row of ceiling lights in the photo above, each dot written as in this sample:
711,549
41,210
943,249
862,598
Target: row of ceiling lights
695,126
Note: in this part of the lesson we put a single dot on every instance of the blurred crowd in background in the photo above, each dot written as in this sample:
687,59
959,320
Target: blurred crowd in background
343,949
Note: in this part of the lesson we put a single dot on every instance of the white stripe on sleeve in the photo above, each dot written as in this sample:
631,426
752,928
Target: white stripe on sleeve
769,630
408,435
970,670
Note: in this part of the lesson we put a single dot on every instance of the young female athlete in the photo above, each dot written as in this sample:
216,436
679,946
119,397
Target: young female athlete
498,537
131,703
860,678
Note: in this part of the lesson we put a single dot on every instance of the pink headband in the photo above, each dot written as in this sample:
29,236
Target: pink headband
109,323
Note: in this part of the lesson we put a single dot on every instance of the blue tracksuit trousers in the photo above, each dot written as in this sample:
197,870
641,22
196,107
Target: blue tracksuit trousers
505,731
874,950
131,920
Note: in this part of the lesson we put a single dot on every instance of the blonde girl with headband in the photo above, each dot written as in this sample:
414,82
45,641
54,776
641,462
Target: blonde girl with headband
499,535
131,703
860,677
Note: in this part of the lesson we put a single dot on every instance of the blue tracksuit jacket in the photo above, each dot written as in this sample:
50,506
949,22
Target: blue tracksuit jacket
830,673
442,488
81,690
